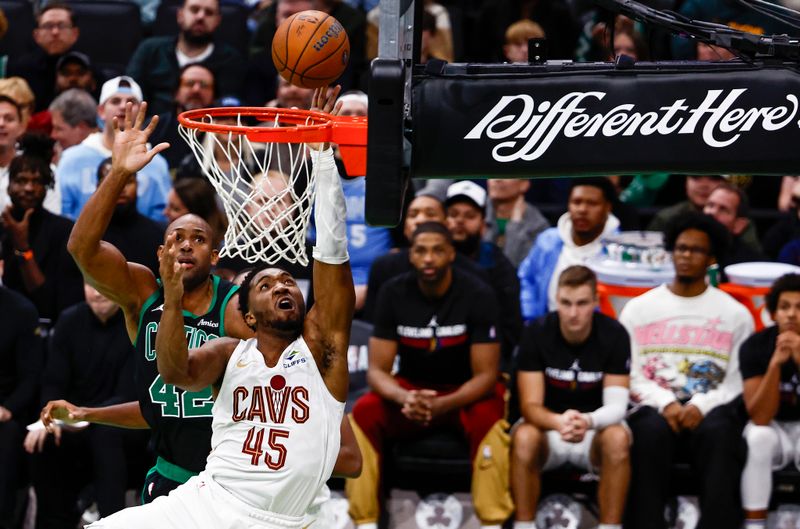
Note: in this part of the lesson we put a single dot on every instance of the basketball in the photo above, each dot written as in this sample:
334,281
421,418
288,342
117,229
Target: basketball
310,49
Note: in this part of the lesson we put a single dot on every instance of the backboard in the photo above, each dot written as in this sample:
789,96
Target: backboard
560,118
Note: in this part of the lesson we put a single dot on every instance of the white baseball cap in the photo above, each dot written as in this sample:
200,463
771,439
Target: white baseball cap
120,85
469,190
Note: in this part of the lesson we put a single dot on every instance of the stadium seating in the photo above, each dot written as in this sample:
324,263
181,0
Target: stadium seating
19,37
110,33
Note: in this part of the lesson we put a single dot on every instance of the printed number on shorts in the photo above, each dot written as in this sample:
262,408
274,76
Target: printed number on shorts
253,446
175,402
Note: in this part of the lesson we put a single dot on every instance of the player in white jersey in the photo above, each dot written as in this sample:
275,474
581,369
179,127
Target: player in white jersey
279,396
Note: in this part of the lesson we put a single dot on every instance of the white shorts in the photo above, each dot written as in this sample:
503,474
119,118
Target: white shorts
788,450
200,503
561,452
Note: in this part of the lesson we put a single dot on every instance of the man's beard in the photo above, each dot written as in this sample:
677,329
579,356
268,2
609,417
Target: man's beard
289,327
468,246
123,213
198,40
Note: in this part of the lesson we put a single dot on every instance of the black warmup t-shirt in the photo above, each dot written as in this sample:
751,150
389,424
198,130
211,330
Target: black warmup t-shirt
180,420
434,335
573,374
754,356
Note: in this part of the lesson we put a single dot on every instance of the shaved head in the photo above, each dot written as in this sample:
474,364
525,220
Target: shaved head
190,220
196,252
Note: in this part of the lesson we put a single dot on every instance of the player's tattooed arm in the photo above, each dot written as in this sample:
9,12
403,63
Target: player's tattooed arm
327,328
190,370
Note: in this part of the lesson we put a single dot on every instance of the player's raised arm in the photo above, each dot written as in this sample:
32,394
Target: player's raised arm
191,370
103,265
327,329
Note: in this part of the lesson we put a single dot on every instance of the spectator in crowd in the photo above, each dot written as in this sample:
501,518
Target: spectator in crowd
730,206
518,34
574,366
575,240
685,377
424,208
196,196
55,34
34,241
77,169
20,91
466,221
11,129
787,228
441,323
629,42
21,359
770,360
291,96
512,223
156,64
196,88
134,235
429,35
74,70
90,363
698,189
74,117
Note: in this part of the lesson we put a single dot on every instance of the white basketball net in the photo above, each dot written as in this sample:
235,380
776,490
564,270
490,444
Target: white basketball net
277,400
267,190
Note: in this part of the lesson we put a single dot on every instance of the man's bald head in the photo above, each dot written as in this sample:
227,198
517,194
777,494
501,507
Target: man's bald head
188,221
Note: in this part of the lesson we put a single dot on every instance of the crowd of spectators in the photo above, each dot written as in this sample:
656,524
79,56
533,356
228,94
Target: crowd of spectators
480,280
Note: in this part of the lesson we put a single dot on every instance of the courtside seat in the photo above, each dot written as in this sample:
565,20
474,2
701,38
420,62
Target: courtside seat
110,33
19,37
438,462
232,30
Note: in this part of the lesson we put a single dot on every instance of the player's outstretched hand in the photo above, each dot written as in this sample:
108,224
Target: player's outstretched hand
324,100
129,153
171,270
61,410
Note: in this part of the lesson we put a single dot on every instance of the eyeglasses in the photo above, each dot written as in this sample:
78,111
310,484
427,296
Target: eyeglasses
189,83
691,250
50,26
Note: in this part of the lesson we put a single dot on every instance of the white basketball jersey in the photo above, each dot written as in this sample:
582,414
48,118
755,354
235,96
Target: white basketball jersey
275,430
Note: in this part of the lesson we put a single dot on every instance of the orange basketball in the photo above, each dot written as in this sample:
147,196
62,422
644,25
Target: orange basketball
310,49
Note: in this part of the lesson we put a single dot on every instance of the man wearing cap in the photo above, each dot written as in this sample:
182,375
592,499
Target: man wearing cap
157,62
441,324
74,70
466,220
55,34
76,173
575,240
196,88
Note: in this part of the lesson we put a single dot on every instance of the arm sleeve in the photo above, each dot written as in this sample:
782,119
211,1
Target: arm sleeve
731,385
385,325
615,405
330,211
29,358
644,390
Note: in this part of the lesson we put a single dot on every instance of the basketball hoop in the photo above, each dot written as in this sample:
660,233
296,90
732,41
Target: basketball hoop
259,161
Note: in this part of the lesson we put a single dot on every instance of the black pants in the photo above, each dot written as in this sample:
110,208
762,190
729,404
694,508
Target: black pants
12,459
716,452
95,456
